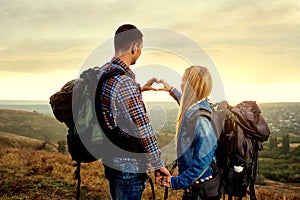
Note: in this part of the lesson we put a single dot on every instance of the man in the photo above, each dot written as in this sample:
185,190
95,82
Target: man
134,148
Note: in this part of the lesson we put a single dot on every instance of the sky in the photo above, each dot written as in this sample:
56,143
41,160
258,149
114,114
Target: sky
253,45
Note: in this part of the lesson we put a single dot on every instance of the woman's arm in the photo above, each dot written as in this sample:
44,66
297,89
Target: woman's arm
176,94
204,144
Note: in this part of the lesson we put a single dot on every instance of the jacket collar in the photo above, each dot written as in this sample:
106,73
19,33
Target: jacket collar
202,104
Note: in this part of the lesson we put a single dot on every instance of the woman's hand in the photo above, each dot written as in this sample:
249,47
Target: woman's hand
166,87
165,181
161,85
148,85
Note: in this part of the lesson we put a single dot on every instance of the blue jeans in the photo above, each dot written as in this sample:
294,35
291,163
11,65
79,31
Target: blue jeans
125,185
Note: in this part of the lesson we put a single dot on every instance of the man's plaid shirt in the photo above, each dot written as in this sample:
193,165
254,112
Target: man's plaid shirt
122,102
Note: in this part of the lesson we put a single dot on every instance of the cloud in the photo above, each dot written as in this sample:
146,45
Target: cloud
265,9
38,37
61,15
249,41
43,55
46,35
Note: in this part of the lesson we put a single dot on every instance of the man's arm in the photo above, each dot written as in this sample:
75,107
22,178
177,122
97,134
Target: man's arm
130,101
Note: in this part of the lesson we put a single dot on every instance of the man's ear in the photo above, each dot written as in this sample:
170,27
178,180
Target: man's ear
134,47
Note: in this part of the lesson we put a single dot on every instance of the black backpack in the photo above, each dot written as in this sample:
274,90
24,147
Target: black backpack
84,129
243,132
86,126
240,131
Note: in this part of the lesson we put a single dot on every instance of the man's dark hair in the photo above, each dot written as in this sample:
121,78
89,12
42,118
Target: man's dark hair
125,36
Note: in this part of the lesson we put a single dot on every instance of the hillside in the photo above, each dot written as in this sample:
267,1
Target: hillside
32,124
283,118
22,142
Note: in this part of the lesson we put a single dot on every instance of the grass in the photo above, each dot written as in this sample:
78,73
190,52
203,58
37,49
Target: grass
43,175
32,174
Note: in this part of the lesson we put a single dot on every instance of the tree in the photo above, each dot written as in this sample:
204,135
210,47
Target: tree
285,144
62,146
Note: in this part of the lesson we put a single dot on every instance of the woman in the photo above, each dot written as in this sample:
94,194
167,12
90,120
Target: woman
196,139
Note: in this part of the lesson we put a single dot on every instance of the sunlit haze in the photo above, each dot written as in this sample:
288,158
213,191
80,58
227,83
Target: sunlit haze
254,45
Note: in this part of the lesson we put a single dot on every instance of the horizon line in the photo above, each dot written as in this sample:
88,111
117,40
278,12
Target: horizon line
230,102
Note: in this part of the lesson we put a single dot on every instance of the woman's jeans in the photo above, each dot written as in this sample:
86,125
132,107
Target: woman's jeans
125,185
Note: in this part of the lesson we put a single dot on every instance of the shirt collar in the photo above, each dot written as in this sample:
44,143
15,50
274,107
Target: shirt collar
119,62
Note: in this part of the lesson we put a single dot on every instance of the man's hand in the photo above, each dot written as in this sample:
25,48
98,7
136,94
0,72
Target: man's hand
161,172
165,181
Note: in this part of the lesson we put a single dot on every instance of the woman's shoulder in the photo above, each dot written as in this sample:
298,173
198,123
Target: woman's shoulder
201,108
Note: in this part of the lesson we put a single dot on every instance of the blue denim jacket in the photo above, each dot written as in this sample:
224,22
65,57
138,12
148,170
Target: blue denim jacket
195,148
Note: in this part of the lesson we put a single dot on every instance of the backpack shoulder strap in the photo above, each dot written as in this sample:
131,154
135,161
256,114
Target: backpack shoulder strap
200,112
113,134
111,73
192,120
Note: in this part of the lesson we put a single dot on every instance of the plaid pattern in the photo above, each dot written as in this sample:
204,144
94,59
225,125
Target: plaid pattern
122,103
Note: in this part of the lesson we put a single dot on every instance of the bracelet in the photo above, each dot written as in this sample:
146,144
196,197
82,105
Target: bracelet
171,89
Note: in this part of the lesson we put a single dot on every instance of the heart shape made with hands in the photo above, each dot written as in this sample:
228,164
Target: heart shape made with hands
157,86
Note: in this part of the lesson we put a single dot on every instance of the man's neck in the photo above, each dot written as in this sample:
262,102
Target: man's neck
126,58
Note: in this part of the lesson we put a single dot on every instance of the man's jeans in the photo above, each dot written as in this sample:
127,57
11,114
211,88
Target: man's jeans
125,185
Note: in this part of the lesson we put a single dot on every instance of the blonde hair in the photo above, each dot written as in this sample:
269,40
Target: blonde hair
198,86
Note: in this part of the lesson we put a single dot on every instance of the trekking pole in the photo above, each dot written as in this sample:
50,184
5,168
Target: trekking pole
77,176
166,194
174,165
253,172
152,187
